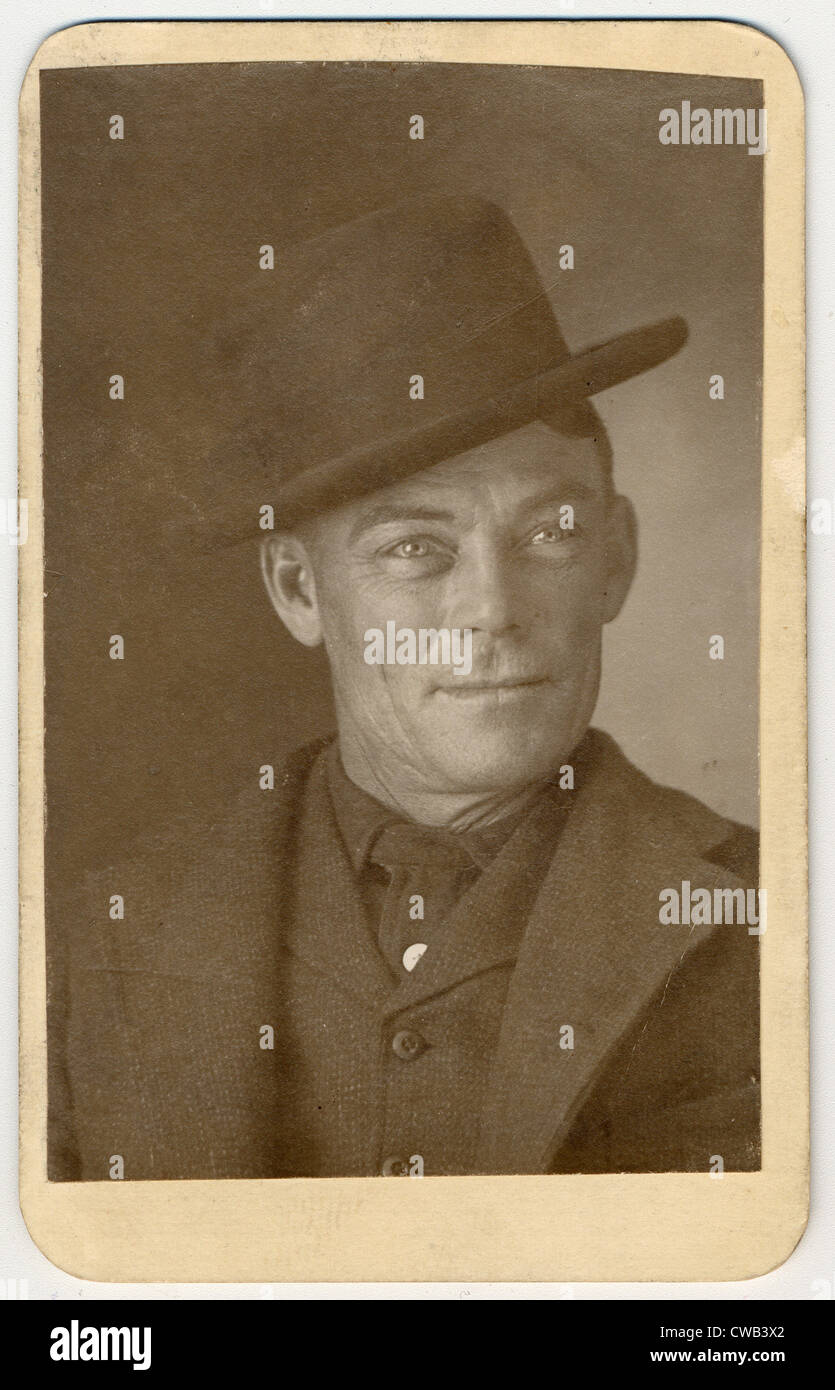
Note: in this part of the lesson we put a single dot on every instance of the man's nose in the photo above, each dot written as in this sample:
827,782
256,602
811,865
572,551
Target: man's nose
486,598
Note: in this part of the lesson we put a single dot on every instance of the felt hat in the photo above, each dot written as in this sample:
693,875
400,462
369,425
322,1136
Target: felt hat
395,341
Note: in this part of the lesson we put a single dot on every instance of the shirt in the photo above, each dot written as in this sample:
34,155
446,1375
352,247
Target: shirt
407,906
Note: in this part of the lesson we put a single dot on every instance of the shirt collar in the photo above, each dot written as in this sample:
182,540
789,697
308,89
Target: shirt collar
361,817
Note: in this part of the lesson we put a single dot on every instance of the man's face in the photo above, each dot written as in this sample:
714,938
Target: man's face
476,542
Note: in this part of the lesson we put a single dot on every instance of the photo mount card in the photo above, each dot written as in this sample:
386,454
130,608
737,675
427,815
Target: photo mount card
412,633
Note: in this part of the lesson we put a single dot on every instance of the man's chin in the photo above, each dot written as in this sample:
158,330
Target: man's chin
477,762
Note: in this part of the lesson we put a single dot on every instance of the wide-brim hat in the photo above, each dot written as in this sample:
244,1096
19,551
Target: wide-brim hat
391,343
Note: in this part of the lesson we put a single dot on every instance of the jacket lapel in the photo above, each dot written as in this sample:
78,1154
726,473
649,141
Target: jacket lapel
242,880
594,954
330,929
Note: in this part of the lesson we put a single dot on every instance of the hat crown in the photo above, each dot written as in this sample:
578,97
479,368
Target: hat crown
327,349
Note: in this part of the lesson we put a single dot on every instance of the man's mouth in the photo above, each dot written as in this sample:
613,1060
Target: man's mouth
506,688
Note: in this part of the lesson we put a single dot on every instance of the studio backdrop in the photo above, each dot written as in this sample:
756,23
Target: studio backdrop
153,257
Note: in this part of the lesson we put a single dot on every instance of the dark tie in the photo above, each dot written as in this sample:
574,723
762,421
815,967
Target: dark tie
428,871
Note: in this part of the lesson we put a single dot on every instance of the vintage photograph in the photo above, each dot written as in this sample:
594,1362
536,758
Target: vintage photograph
401,460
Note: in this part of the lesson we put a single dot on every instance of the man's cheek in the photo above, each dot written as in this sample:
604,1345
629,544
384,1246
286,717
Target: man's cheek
568,621
407,686
346,636
563,648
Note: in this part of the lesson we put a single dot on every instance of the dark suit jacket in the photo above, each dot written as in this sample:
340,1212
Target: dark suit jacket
149,1058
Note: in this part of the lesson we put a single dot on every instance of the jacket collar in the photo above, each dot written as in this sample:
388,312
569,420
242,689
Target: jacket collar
594,954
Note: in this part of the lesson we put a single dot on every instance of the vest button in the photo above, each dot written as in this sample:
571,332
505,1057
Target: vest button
413,954
407,1045
395,1168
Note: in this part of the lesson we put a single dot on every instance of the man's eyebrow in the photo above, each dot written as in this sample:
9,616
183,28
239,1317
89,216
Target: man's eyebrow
396,511
570,488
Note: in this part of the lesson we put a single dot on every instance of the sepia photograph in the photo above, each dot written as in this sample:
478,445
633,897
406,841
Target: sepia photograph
402,523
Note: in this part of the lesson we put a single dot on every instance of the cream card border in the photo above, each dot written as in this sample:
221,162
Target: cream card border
567,1228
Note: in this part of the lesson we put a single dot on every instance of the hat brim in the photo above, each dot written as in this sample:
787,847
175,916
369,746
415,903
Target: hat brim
361,471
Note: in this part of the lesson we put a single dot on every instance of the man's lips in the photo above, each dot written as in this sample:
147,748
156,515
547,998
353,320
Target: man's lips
462,686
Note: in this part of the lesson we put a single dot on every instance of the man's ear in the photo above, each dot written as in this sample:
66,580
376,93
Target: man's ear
621,555
288,576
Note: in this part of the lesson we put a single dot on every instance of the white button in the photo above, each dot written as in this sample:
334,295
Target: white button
413,953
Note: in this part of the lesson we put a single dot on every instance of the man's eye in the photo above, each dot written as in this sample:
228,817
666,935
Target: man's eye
416,557
414,548
409,550
548,535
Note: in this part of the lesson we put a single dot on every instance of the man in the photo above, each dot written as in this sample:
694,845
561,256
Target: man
435,946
